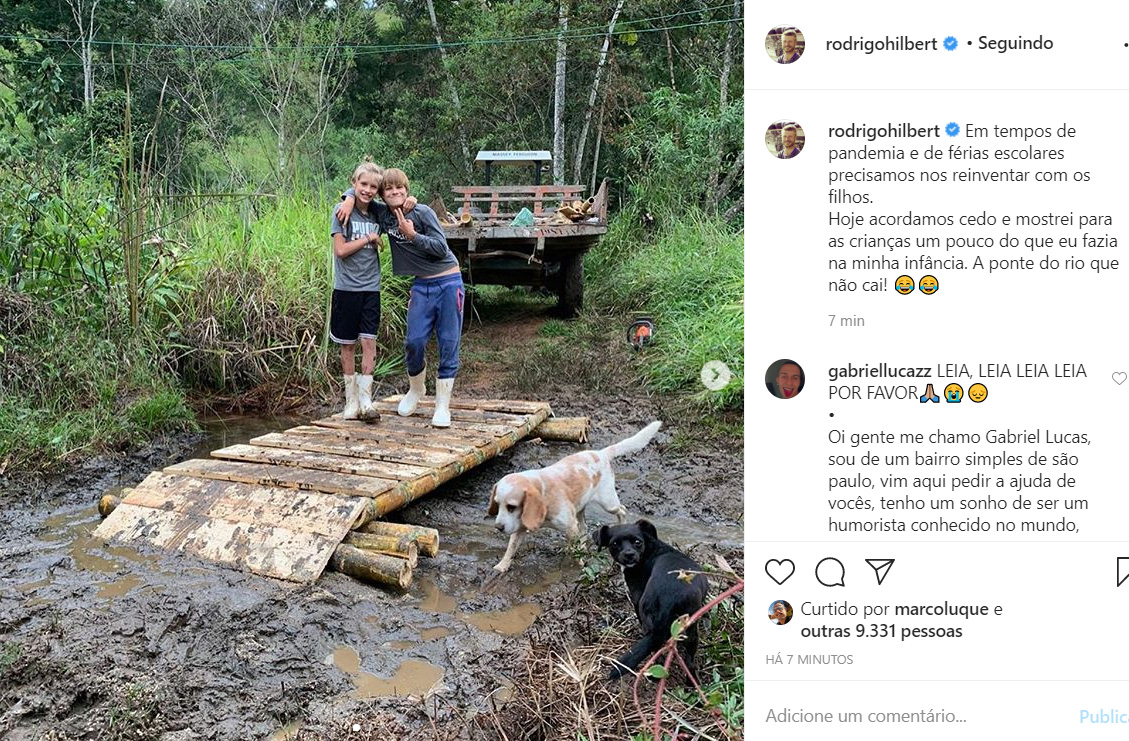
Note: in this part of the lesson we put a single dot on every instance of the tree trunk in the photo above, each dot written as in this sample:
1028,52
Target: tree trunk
599,138
731,178
735,209
559,97
85,22
712,196
467,166
282,159
87,74
727,63
670,57
592,94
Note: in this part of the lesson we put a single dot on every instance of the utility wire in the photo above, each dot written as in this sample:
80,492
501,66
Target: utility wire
377,48
420,47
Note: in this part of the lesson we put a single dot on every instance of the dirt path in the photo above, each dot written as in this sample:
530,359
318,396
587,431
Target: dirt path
111,642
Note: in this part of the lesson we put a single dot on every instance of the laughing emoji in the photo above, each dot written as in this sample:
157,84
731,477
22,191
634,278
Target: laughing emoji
904,285
928,285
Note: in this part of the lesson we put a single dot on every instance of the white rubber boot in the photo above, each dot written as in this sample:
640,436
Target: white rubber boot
352,406
443,388
364,394
411,399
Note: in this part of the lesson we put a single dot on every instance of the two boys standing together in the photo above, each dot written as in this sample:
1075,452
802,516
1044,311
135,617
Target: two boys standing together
419,248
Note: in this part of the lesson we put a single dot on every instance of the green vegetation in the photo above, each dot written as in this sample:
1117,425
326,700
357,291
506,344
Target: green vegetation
9,654
687,276
73,388
723,671
134,714
689,279
164,201
254,308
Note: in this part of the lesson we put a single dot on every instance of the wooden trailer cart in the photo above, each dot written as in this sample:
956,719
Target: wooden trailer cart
548,253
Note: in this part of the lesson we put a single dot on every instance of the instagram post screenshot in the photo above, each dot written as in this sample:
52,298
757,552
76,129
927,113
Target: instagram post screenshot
374,369
935,505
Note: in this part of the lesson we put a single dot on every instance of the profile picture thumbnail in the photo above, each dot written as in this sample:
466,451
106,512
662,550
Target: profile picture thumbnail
780,612
784,379
784,139
784,44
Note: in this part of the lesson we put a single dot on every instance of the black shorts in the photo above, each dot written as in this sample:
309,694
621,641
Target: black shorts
354,314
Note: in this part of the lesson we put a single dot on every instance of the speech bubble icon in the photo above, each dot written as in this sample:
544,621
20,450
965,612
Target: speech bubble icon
830,572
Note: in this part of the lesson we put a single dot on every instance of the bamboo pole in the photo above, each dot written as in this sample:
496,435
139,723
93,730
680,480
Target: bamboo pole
391,545
566,429
409,491
108,504
426,538
376,568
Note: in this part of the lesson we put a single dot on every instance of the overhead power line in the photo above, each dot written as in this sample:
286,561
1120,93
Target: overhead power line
580,32
370,50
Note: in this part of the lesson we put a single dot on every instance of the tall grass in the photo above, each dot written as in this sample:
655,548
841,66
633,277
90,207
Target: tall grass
68,388
690,280
259,281
235,297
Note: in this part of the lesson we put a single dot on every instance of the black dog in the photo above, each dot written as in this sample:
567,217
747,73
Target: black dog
650,569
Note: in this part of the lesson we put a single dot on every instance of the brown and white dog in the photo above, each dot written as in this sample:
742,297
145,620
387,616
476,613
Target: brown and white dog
557,495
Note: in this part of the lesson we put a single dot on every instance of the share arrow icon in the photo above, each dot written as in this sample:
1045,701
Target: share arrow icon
881,567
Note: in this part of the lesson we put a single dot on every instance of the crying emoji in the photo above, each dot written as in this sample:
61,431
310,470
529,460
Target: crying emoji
904,285
953,393
928,285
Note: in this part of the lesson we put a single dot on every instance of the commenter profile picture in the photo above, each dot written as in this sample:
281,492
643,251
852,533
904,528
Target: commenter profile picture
780,612
784,379
784,44
784,139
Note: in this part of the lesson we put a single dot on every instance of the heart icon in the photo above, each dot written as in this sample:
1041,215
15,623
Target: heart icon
779,571
1119,377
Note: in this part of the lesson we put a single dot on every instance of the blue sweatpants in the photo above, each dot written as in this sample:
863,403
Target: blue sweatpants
435,305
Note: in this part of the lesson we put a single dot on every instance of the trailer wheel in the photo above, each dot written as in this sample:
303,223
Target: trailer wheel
571,296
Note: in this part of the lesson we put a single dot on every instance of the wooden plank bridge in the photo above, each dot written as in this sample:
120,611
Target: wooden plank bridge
280,505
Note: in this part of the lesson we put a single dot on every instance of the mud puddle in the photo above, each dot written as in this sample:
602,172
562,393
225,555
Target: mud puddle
510,622
234,655
411,677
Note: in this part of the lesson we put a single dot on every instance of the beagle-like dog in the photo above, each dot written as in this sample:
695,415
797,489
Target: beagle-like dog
557,495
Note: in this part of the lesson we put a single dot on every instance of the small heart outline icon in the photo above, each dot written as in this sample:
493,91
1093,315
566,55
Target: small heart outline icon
780,567
1119,377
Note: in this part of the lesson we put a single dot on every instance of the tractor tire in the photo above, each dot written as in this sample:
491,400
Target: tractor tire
571,295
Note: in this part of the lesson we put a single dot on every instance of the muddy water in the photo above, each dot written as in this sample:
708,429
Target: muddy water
246,656
64,540
433,600
686,533
513,620
118,587
510,622
220,432
411,677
